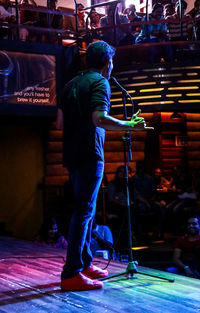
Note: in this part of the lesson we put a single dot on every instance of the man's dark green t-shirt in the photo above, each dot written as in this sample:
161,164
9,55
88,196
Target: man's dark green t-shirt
82,140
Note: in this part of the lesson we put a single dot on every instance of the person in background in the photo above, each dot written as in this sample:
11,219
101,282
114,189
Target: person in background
160,180
153,32
28,18
186,255
174,27
102,239
143,190
50,235
123,36
133,17
95,23
185,197
196,15
81,17
7,15
55,21
168,10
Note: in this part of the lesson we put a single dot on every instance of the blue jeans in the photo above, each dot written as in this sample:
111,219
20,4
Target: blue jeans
86,181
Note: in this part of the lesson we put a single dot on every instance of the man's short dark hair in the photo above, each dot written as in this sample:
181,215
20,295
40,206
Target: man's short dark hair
157,6
98,53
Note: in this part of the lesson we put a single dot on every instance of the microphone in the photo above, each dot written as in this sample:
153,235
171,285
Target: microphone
124,91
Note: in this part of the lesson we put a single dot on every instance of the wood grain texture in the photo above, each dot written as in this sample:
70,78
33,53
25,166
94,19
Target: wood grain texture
30,278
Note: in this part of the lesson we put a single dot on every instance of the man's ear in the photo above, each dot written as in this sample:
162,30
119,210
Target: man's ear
105,69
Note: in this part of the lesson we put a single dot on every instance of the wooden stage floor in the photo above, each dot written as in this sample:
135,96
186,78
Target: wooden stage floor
30,276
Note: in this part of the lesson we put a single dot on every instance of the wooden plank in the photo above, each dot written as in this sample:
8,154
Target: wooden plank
119,156
56,170
194,164
193,155
193,136
112,167
55,135
193,126
116,146
193,117
56,180
193,145
135,136
54,158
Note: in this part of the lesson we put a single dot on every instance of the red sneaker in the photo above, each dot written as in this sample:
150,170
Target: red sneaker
80,282
95,272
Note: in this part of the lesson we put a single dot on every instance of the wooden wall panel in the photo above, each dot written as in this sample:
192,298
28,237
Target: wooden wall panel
193,140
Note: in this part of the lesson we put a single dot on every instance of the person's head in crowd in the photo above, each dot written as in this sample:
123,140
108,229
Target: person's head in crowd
120,173
132,12
49,230
193,226
157,11
168,9
183,7
132,8
94,19
140,168
157,173
99,56
53,4
197,5
80,13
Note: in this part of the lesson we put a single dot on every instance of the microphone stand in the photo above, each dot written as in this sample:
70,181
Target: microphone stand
132,265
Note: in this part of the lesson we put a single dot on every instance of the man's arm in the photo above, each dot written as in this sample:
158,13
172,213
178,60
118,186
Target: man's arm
104,120
179,263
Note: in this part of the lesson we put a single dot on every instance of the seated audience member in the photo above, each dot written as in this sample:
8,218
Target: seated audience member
196,15
185,196
94,20
50,235
133,17
117,36
55,22
117,192
81,17
144,192
168,10
153,32
26,16
102,239
29,18
187,251
7,15
117,202
95,23
160,180
174,25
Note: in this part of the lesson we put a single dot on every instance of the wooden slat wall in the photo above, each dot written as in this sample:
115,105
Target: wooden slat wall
193,137
56,175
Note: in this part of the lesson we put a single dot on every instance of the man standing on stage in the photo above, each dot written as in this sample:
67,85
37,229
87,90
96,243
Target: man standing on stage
84,117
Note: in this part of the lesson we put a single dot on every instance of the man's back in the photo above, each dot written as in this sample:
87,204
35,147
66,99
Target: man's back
83,95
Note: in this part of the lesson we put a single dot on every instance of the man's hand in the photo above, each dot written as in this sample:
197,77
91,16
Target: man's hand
138,123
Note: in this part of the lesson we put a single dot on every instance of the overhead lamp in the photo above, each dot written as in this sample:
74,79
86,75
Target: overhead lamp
175,115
